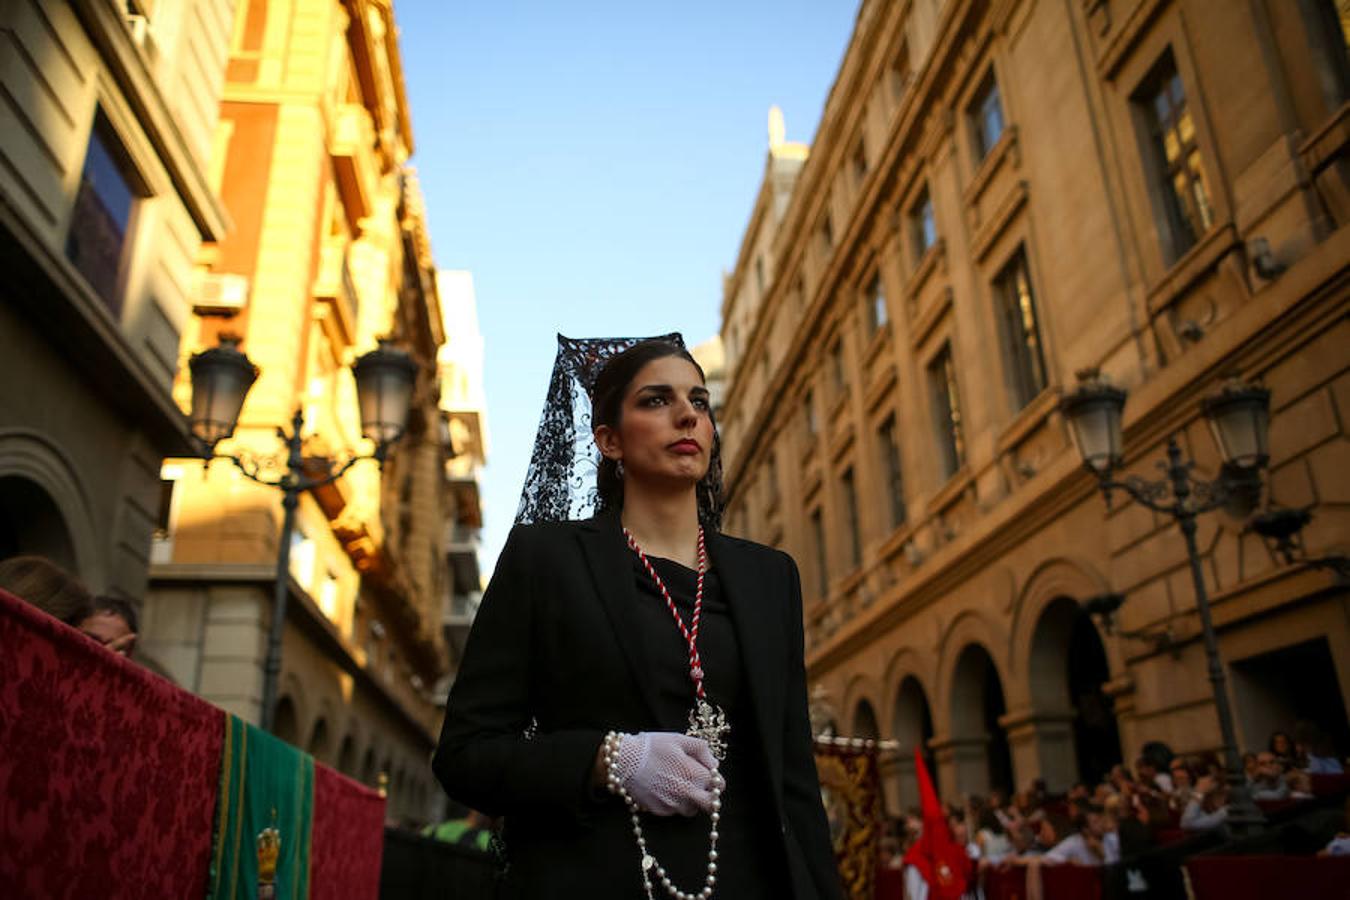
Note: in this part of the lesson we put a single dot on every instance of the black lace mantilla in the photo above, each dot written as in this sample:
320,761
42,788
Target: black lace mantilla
560,482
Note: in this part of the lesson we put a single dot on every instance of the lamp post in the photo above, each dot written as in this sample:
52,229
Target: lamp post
1239,417
221,378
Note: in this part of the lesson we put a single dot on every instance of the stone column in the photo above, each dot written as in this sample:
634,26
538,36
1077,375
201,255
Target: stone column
963,766
1042,746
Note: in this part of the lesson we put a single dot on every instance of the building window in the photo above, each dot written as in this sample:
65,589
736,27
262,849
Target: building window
875,300
1329,30
901,73
827,232
303,558
1178,164
328,596
890,465
860,163
809,408
822,571
837,372
101,220
1023,349
799,292
946,405
986,117
922,225
771,480
850,493
759,275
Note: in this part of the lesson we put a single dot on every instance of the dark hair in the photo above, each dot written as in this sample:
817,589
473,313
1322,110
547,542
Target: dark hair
104,603
989,821
611,384
47,586
1281,734
1158,754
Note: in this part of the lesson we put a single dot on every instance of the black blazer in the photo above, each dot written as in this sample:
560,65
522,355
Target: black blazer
555,640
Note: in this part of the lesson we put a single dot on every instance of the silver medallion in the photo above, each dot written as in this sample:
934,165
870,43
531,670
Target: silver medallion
710,723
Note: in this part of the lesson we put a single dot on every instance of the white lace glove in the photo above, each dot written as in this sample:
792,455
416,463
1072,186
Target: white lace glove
667,773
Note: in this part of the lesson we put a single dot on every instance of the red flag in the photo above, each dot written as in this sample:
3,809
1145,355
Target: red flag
940,860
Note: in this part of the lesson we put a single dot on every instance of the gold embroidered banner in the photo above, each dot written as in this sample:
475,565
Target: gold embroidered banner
850,779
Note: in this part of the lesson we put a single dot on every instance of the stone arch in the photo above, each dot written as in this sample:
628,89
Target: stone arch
1066,726
1051,580
970,627
286,721
290,688
978,756
320,740
862,689
865,722
912,728
1071,724
28,457
370,772
346,756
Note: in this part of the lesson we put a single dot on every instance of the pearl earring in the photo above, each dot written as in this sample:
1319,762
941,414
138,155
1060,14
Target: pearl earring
618,468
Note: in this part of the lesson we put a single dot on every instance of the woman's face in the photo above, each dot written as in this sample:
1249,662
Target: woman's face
665,431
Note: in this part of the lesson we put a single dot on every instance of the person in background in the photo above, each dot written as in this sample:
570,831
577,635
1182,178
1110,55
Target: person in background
1316,750
1150,777
1340,844
1093,843
1282,745
992,838
1208,808
473,829
47,586
1269,783
1300,784
1250,767
1183,785
113,623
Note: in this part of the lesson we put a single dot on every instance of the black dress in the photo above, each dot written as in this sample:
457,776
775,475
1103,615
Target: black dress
750,860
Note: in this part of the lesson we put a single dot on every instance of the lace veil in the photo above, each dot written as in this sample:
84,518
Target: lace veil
560,483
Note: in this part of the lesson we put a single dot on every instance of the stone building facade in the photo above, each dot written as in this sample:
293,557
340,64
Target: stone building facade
1002,193
328,252
106,123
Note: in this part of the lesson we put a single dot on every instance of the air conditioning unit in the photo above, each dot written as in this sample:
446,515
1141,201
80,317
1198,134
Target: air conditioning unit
219,293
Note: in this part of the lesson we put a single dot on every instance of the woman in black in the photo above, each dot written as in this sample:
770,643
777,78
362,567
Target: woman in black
588,705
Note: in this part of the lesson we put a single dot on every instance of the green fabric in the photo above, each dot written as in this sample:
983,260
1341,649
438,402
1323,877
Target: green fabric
453,832
264,783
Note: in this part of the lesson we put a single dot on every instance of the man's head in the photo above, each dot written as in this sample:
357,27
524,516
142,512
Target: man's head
113,623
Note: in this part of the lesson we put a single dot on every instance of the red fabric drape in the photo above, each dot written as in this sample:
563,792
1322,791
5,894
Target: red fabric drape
108,773
1262,877
348,837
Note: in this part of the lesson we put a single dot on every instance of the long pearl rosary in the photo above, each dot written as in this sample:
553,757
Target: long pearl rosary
610,749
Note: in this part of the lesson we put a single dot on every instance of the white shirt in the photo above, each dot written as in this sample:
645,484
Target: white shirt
1074,849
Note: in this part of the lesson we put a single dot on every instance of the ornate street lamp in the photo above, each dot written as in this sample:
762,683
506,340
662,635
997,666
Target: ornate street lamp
1094,412
1239,416
221,378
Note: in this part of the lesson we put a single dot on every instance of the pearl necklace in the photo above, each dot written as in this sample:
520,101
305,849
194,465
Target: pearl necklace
648,862
705,721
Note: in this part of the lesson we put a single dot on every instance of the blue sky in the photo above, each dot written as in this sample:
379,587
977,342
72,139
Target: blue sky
594,164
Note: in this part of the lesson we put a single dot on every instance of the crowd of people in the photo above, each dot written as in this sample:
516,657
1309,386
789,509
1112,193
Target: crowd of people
1162,799
111,621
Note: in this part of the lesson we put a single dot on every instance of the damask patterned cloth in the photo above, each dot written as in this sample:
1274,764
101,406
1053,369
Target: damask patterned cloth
108,773
263,817
348,838
851,780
